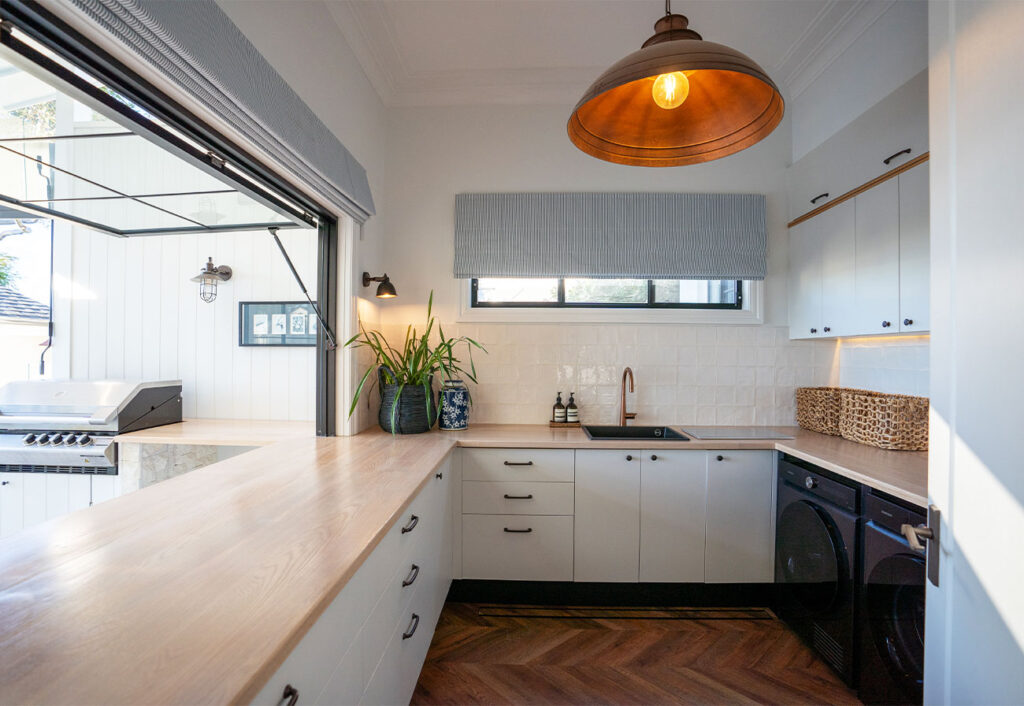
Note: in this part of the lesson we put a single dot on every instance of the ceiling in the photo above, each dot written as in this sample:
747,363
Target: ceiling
457,52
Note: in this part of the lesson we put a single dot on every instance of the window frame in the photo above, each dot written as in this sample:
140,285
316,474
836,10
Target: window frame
475,303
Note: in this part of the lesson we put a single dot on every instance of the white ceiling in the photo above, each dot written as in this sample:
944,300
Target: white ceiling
456,52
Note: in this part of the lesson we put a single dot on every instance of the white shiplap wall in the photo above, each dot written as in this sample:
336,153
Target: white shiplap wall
125,309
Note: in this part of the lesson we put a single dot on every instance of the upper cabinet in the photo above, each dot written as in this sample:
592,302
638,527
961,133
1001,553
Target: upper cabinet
859,265
886,136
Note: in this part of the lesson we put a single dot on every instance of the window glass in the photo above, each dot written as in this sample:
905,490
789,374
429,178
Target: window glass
694,291
606,291
517,291
596,292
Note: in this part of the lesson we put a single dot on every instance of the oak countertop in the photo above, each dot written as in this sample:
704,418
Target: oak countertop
220,432
194,590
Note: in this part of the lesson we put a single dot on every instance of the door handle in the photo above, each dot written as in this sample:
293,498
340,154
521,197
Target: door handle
289,697
519,497
914,535
930,533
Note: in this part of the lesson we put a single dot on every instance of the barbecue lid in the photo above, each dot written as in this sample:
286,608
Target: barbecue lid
97,402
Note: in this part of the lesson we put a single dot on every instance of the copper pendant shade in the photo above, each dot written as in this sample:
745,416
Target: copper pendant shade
731,105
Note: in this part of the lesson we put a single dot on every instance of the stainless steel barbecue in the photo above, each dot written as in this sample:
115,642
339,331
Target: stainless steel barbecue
69,426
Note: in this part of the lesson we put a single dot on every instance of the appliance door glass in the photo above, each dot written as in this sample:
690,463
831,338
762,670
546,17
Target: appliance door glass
894,595
810,556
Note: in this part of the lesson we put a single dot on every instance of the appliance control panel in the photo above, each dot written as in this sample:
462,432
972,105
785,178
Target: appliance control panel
64,449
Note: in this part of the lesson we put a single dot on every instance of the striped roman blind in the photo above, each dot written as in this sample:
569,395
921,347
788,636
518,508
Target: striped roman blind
196,46
649,236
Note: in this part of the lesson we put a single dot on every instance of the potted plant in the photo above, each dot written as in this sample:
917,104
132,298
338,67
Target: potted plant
406,373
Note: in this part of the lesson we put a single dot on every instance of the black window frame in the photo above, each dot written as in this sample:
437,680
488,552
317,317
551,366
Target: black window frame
475,303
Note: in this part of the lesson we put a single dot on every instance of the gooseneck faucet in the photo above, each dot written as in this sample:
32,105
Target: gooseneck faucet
623,414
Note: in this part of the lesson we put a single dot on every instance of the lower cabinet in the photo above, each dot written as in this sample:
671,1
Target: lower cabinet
673,504
369,645
607,516
27,499
740,545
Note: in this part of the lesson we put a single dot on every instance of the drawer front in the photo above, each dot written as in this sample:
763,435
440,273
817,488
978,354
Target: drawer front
541,465
492,548
516,498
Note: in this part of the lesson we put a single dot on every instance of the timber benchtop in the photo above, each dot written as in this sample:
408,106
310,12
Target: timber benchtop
194,590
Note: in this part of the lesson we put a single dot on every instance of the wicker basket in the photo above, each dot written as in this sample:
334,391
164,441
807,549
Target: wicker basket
898,422
818,409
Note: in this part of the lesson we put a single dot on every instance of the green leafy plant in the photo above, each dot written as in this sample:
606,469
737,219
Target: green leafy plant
416,361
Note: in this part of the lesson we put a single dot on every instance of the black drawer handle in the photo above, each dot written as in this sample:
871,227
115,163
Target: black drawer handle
289,697
894,156
6,482
413,521
519,497
654,457
518,463
719,458
515,531
414,574
629,458
439,476
413,624
819,196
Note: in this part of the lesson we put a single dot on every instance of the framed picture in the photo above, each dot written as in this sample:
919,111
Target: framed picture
276,324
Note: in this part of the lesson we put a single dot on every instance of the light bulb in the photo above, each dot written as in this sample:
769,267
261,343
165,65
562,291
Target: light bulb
670,90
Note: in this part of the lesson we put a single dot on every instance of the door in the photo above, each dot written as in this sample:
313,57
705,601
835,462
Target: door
805,280
607,530
838,269
974,644
878,259
673,495
914,249
740,517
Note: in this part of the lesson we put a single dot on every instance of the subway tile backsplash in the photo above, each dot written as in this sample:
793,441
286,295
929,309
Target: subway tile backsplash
898,365
684,374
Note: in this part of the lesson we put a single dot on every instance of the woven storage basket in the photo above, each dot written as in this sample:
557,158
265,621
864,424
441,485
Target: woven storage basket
818,409
898,422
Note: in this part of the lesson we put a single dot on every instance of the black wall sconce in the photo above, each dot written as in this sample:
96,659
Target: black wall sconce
385,290
209,277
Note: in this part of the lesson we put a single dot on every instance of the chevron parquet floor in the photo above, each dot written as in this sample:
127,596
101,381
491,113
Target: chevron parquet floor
503,658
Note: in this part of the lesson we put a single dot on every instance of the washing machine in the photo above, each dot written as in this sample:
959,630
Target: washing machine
816,535
892,596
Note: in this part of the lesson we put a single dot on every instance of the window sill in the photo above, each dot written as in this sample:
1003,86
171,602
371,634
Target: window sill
751,314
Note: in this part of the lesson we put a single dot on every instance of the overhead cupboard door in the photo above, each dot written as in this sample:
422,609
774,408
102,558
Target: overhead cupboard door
878,260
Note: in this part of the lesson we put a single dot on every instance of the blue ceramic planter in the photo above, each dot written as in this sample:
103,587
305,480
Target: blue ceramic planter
454,404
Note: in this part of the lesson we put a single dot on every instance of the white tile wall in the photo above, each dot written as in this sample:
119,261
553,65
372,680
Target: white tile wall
684,374
896,365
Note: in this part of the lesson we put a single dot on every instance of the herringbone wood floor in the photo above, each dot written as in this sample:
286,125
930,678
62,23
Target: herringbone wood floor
477,659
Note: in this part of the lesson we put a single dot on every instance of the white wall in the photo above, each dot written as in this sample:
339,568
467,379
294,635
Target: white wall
887,54
975,620
125,309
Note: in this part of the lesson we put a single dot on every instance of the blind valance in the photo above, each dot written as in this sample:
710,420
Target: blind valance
196,46
643,235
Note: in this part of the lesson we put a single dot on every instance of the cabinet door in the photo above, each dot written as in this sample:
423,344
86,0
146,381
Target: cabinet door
915,234
804,280
11,503
878,259
740,519
65,493
836,232
105,488
607,530
673,496
34,500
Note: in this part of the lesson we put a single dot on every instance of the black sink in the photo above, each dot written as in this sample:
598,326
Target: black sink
597,433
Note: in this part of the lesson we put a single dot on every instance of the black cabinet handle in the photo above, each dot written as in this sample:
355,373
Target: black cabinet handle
515,531
814,330
413,624
629,458
6,482
413,521
908,322
414,573
819,196
886,324
439,476
826,329
519,497
894,156
719,458
518,463
289,697
654,457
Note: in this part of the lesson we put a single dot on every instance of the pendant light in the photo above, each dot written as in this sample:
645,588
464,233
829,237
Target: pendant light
677,100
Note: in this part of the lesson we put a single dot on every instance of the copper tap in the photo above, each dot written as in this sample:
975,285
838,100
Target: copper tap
623,414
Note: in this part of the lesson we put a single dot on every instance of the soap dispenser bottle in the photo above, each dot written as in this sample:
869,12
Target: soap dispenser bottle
558,414
572,412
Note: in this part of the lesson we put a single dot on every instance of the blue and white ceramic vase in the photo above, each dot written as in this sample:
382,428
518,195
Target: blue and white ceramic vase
454,404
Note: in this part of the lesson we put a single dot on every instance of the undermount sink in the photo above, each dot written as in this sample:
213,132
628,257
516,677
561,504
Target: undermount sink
599,433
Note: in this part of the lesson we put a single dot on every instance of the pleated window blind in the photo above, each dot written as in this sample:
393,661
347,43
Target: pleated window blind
641,235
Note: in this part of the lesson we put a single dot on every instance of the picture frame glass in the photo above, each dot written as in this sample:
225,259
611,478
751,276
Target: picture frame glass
277,324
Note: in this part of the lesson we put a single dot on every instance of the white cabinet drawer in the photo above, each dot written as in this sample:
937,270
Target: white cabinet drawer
517,547
542,465
516,498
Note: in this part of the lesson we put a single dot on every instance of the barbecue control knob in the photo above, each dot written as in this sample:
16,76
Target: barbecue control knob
28,439
55,439
83,439
68,439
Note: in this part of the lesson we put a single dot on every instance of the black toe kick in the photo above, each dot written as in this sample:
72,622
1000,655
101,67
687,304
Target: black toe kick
719,595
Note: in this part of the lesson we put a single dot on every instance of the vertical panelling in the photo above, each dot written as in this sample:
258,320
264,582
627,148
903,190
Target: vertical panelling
128,310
